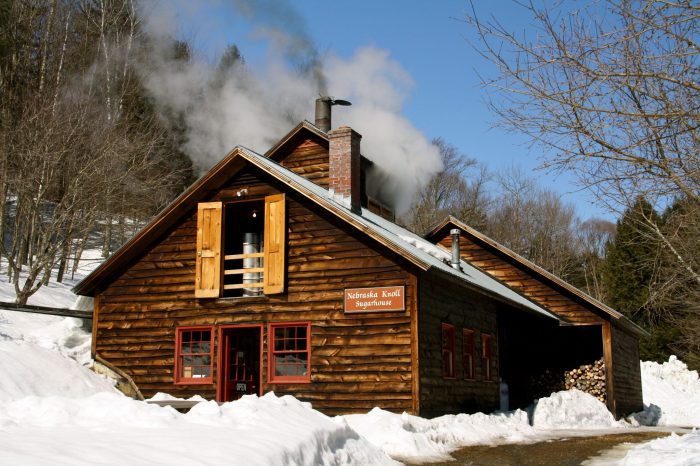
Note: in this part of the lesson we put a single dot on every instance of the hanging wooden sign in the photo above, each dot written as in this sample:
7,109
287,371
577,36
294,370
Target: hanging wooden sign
377,299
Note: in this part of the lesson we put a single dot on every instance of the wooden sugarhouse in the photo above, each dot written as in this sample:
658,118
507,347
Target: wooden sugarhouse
278,272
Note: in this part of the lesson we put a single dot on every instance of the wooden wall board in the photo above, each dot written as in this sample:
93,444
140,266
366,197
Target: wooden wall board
441,301
356,360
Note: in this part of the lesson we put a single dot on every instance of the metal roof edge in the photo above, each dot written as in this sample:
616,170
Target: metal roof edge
537,269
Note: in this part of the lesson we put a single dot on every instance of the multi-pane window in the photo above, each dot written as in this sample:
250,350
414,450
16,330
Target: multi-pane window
486,342
290,352
193,355
469,353
448,350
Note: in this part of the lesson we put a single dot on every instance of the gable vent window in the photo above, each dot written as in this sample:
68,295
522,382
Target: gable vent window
240,248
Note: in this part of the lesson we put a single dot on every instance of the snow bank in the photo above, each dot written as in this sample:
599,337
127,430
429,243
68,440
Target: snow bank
43,355
673,450
407,437
30,370
572,409
671,394
417,439
108,428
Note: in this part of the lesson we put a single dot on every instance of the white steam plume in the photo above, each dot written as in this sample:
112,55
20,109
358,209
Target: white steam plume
377,86
256,108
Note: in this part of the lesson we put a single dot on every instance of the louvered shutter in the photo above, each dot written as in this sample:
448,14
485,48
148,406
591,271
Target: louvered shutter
274,243
208,264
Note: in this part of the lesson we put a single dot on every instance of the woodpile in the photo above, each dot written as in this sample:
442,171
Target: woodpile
589,378
546,383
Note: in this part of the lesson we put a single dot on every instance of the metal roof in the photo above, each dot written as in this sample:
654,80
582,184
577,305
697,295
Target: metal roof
406,242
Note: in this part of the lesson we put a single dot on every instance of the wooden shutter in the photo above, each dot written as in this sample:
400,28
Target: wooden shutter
274,244
208,266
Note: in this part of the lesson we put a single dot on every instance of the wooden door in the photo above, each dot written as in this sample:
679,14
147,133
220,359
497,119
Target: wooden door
241,362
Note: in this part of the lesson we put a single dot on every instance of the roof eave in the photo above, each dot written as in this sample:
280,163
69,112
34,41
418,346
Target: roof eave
498,297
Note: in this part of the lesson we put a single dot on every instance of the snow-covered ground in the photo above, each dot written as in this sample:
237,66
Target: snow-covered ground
53,410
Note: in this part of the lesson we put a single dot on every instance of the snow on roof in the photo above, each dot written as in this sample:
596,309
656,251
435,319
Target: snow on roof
396,235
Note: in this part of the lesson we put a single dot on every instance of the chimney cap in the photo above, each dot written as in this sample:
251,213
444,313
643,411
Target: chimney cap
323,111
334,101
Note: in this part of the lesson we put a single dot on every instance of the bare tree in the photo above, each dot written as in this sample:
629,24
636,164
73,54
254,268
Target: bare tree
610,91
452,191
593,237
535,223
79,143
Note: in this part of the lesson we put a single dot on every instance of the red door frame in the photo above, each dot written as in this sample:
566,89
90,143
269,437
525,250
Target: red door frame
220,358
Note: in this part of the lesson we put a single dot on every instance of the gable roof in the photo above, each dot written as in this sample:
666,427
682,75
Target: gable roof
548,277
300,131
412,247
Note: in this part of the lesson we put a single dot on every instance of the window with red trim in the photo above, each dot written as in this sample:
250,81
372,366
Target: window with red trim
290,352
448,350
486,342
469,353
193,355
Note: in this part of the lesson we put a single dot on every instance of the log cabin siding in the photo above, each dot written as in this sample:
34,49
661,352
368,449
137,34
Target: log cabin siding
442,301
358,361
523,281
627,376
310,160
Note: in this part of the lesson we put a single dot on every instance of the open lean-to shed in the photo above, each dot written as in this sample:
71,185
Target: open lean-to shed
278,272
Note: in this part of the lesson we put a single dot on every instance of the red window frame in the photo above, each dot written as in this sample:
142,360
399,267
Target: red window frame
469,353
448,350
180,378
289,346
486,344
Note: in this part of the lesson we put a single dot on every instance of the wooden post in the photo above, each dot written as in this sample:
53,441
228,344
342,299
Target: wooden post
95,313
609,375
415,356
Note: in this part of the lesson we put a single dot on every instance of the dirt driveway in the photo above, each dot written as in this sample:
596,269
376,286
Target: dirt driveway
565,452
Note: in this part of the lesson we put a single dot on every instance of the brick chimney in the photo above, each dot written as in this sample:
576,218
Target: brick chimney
344,167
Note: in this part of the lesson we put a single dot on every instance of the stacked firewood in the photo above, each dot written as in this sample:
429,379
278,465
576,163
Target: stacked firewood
589,378
545,383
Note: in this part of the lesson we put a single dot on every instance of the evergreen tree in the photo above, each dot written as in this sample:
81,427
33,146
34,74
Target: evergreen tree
629,275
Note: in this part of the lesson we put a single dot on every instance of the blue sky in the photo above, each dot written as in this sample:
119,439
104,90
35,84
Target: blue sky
429,40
